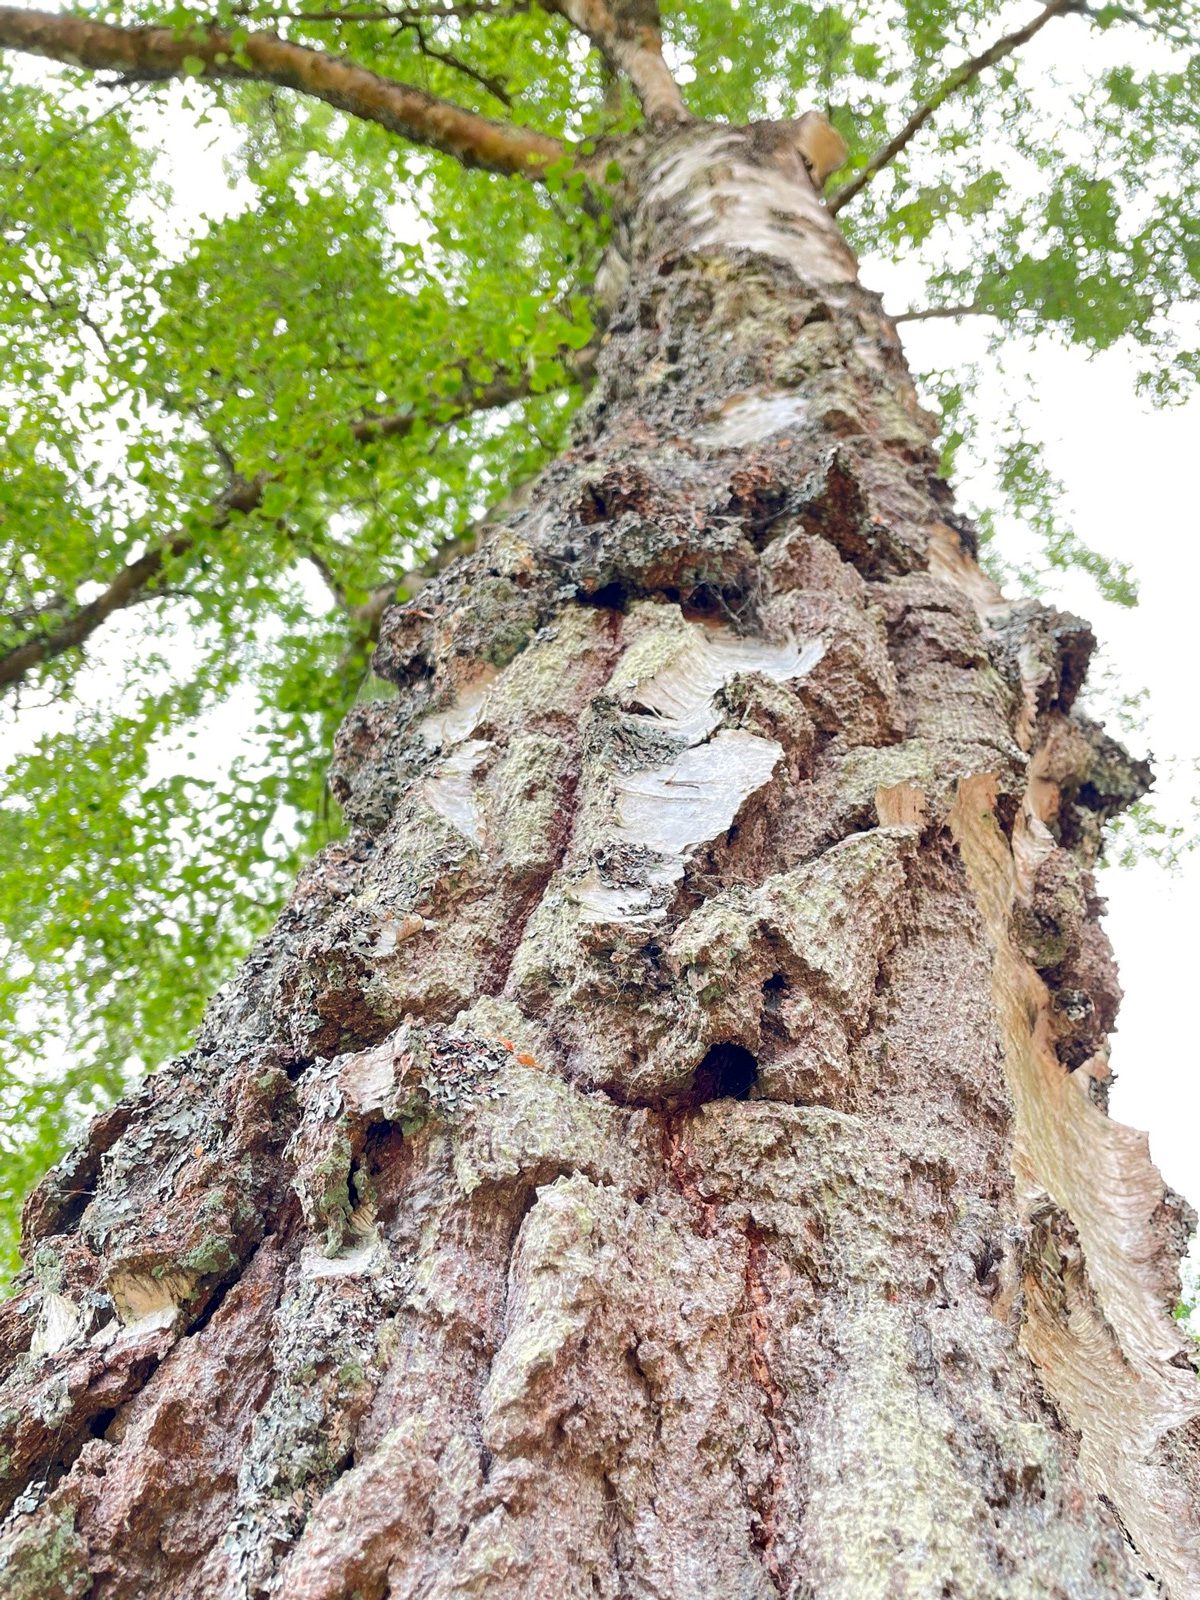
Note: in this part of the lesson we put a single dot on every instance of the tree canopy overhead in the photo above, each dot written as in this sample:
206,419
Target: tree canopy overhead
231,440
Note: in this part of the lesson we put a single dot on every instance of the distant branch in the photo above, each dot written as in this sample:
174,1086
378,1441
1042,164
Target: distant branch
958,79
137,580
126,588
1100,13
383,13
628,35
935,313
145,53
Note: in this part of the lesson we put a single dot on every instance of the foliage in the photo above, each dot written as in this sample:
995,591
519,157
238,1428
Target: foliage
196,387
1187,1311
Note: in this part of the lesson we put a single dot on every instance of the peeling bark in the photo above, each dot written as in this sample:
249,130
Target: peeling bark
662,1151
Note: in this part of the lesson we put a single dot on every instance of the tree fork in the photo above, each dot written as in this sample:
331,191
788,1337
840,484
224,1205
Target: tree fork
661,1151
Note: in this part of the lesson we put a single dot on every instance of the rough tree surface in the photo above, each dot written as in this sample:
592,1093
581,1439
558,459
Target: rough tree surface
662,1152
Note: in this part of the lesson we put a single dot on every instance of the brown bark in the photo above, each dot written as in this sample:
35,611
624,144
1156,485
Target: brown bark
661,1152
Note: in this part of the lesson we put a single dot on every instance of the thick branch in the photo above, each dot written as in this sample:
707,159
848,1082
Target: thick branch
265,58
958,79
245,495
629,37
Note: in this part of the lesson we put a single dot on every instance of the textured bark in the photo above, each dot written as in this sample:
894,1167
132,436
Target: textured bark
662,1151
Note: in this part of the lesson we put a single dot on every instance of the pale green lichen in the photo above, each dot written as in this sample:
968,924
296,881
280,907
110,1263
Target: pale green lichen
525,795
556,1306
655,634
327,1192
53,1404
45,1560
891,1515
211,1256
865,770
827,913
545,678
48,1268
542,1126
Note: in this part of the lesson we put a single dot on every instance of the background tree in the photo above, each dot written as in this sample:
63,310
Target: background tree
284,382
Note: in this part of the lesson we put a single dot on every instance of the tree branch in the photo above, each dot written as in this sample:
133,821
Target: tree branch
126,588
151,53
628,35
485,80
243,496
958,79
934,313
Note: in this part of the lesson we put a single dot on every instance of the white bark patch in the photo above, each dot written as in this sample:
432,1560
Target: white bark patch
602,902
367,1079
396,930
443,729
362,1251
751,417
673,809
60,1323
736,201
671,676
450,791
145,1302
681,692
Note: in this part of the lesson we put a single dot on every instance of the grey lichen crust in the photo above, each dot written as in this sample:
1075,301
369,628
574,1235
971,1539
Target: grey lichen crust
660,1153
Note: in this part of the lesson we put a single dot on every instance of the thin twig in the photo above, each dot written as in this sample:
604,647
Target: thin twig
958,79
933,313
490,85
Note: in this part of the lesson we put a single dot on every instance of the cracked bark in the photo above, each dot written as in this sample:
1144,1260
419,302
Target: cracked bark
662,1151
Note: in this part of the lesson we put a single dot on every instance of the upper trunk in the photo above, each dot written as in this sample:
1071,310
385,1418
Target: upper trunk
661,1152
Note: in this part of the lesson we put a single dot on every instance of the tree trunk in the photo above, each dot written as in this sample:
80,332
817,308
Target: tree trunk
662,1152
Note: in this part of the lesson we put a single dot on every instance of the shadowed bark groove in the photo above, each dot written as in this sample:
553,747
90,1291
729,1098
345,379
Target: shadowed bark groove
661,1152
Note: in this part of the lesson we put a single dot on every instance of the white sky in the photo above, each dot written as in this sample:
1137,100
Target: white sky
1129,474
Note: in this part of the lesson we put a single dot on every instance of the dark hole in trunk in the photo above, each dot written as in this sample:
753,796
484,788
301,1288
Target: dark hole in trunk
728,1072
611,596
99,1425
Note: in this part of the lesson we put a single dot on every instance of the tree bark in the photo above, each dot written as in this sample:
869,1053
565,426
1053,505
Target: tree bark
662,1151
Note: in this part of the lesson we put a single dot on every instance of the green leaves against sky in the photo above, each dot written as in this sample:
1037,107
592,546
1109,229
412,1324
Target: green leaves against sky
154,363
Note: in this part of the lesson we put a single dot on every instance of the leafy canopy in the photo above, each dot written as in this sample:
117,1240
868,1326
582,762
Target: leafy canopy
229,438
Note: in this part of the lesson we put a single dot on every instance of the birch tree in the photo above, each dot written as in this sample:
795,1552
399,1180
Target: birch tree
661,1147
